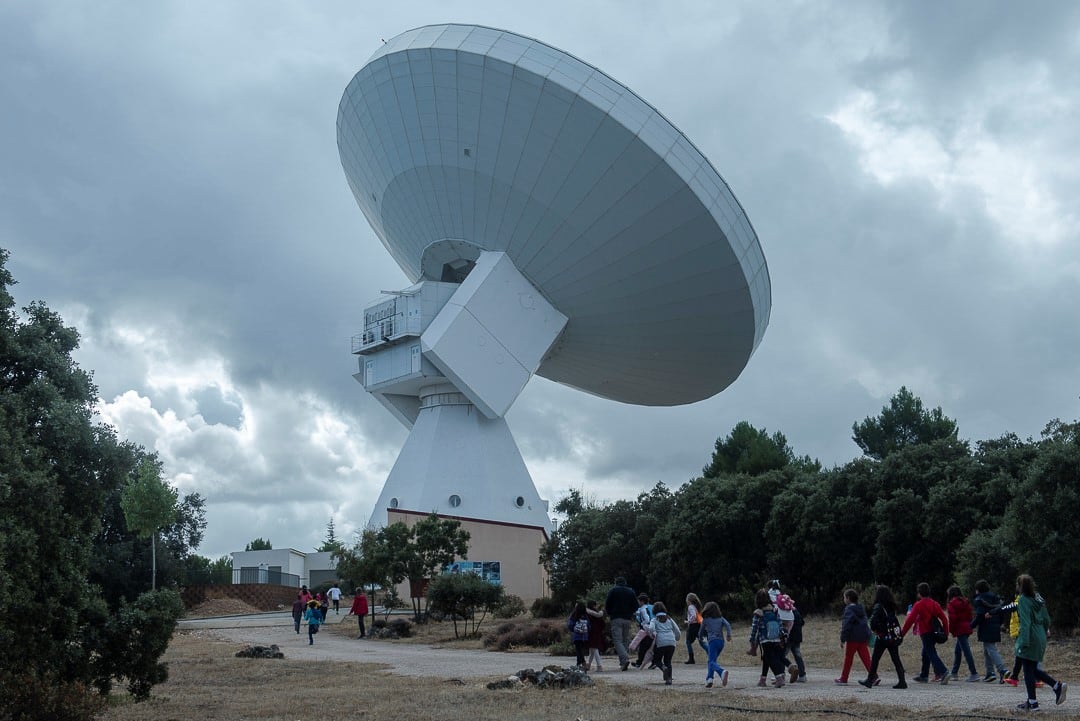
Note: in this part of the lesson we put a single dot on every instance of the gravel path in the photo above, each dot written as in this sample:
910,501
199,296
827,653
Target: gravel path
409,659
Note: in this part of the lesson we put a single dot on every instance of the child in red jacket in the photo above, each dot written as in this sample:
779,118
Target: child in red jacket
960,614
359,609
922,616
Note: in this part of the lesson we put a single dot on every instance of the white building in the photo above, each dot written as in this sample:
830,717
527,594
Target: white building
283,567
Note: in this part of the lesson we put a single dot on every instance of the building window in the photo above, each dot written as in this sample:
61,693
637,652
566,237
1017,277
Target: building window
393,503
455,500
519,501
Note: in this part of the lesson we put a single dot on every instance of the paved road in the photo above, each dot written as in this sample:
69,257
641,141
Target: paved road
410,659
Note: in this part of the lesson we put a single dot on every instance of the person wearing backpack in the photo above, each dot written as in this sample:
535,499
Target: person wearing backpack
666,634
578,625
987,626
785,608
767,634
886,626
854,635
921,616
643,641
960,617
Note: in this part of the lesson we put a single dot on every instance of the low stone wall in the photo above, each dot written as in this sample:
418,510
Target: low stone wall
262,596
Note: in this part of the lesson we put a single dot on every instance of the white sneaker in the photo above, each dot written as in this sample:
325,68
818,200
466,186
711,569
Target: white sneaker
723,678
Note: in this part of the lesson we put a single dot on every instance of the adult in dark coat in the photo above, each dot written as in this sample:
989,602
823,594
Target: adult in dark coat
987,624
620,605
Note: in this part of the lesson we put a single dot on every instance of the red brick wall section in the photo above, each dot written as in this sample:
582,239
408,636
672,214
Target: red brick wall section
260,595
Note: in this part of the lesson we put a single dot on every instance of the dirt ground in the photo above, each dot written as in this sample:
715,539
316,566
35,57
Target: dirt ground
215,607
433,660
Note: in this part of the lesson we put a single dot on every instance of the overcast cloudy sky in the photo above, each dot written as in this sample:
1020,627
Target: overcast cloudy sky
170,183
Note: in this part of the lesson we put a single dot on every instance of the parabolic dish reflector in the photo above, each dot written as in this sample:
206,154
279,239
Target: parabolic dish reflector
459,138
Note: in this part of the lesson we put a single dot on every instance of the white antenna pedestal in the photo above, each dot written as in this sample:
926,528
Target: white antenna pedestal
448,361
457,462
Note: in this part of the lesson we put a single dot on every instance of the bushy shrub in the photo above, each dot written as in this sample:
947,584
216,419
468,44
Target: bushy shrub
401,627
28,698
323,588
548,608
534,634
511,606
866,598
398,627
563,647
465,595
133,640
598,593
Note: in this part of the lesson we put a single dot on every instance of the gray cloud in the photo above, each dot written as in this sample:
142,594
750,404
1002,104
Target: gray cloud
171,185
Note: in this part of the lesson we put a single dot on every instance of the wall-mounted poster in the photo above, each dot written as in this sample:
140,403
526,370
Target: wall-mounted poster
490,571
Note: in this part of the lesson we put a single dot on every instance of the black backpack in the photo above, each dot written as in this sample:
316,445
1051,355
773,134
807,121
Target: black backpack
938,630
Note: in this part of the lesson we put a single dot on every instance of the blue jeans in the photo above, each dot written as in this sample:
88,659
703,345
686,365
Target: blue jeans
930,657
716,645
796,653
994,662
963,646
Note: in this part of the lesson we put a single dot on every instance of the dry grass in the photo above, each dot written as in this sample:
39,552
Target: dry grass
207,683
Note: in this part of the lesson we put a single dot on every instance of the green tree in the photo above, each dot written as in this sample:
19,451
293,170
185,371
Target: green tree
200,569
259,544
57,470
904,422
366,563
331,543
137,635
121,560
148,504
397,552
465,596
600,542
749,450
433,544
1040,521
820,520
221,564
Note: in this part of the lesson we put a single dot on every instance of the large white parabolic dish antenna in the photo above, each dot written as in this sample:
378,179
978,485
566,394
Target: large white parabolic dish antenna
551,222
457,139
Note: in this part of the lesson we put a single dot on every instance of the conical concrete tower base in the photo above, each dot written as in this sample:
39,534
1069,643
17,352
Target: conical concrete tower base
457,462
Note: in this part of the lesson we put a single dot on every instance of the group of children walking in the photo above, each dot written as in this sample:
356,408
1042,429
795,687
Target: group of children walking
960,618
656,637
776,631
